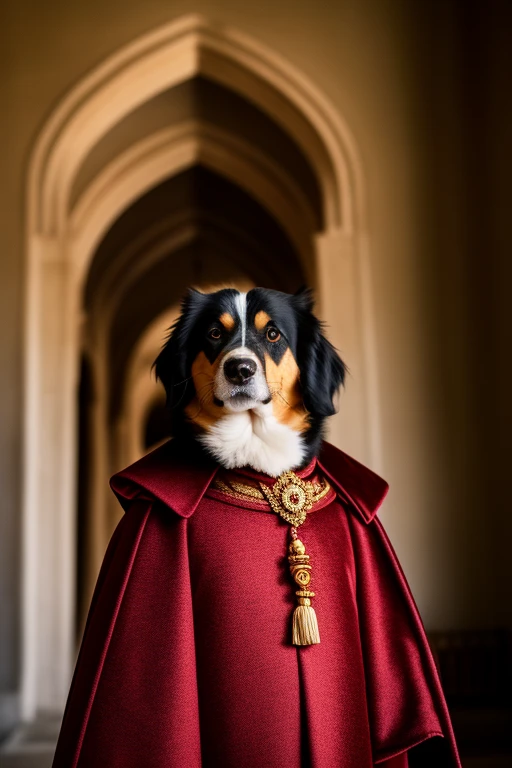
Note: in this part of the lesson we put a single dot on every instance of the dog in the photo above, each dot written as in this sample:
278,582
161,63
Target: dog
251,377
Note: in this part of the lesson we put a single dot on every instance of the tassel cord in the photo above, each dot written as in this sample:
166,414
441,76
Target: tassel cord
305,625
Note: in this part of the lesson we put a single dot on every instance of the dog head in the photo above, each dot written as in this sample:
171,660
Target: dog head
252,375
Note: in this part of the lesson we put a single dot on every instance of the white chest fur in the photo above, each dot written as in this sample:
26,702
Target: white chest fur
256,439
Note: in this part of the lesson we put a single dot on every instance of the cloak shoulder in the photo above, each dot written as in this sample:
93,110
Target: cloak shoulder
180,478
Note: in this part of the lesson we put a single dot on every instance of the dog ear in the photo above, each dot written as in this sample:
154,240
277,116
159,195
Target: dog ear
322,371
304,300
172,364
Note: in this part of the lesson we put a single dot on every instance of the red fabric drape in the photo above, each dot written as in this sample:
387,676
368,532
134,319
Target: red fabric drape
186,658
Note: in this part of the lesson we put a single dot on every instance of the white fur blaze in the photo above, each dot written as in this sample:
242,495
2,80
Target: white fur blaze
241,305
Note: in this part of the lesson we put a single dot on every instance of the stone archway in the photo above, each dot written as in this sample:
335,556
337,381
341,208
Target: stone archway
195,227
62,233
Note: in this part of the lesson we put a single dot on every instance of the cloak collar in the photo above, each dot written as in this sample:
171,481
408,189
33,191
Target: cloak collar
358,486
178,476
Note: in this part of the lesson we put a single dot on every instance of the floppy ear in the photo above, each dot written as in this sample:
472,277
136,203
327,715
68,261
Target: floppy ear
322,371
172,366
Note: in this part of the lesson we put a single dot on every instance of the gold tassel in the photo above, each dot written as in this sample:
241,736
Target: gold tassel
305,624
291,497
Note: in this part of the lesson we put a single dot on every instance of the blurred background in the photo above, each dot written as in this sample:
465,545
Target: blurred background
362,147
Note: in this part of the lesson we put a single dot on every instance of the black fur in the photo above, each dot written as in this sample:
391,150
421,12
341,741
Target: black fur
322,371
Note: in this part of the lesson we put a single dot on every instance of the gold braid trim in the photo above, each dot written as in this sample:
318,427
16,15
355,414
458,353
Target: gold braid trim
291,497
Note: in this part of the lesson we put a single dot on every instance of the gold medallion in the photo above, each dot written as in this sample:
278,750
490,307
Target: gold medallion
290,497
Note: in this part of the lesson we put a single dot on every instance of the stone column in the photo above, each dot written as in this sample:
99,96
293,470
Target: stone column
50,481
345,304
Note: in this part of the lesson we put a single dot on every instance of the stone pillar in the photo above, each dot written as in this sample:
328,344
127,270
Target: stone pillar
345,304
50,481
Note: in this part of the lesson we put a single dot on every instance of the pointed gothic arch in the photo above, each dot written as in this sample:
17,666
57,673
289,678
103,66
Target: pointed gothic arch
60,237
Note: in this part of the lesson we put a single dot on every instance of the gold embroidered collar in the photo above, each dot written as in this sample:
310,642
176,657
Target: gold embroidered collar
290,496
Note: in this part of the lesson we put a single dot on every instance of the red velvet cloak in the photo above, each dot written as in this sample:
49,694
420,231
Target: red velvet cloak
186,659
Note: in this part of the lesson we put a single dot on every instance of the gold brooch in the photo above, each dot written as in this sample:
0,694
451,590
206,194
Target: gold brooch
290,497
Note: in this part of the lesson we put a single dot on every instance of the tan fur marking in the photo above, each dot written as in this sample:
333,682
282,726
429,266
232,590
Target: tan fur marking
261,320
284,384
227,320
201,410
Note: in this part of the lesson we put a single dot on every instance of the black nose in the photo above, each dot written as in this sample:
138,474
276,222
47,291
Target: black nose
239,369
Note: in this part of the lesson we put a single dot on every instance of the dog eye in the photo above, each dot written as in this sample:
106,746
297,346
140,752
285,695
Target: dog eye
214,333
273,334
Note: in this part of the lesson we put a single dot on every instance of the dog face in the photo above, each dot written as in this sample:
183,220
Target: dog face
260,352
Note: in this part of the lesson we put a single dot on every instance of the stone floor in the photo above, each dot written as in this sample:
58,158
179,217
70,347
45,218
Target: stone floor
31,746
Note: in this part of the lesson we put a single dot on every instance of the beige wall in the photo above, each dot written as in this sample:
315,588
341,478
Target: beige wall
412,86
